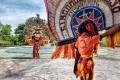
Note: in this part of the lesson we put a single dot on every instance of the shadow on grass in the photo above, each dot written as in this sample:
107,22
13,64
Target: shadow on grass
16,58
20,58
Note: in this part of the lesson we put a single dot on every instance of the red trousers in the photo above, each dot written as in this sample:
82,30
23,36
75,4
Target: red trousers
36,50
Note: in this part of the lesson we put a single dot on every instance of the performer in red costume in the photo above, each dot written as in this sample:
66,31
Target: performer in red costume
86,44
36,40
36,46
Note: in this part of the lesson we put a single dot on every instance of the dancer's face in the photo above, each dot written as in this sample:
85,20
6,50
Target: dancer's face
37,36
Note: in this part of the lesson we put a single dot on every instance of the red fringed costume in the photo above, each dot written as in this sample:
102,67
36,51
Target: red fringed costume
87,44
36,48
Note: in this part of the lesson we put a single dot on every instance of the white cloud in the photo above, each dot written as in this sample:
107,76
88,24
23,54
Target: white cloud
17,16
37,2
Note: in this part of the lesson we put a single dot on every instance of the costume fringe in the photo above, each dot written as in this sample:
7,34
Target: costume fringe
113,40
96,49
65,51
31,41
36,48
85,69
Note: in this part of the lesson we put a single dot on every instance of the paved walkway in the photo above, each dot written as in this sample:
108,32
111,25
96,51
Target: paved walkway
107,68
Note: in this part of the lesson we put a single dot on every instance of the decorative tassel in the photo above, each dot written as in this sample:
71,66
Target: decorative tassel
65,51
108,41
117,37
96,49
57,52
113,40
73,52
69,52
28,41
31,41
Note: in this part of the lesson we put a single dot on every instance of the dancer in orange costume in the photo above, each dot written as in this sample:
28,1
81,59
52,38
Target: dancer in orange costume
36,46
86,44
36,40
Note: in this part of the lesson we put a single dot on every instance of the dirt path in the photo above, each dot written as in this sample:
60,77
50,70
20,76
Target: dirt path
107,68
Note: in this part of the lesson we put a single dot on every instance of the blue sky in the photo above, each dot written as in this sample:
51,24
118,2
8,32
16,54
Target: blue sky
15,12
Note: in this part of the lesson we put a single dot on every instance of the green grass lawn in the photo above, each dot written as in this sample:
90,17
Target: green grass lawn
4,54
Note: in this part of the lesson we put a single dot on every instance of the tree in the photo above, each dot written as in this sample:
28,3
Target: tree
19,29
6,29
14,39
19,33
1,25
5,32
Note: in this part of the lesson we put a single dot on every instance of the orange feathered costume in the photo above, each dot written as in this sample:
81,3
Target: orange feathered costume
86,44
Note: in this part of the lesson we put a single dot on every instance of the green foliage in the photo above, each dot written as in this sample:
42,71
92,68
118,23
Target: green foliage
53,43
5,43
1,25
102,43
5,32
6,29
19,29
6,39
51,40
41,45
19,34
14,39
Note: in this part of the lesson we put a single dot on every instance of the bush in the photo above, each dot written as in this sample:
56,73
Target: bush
102,42
41,45
53,43
5,43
